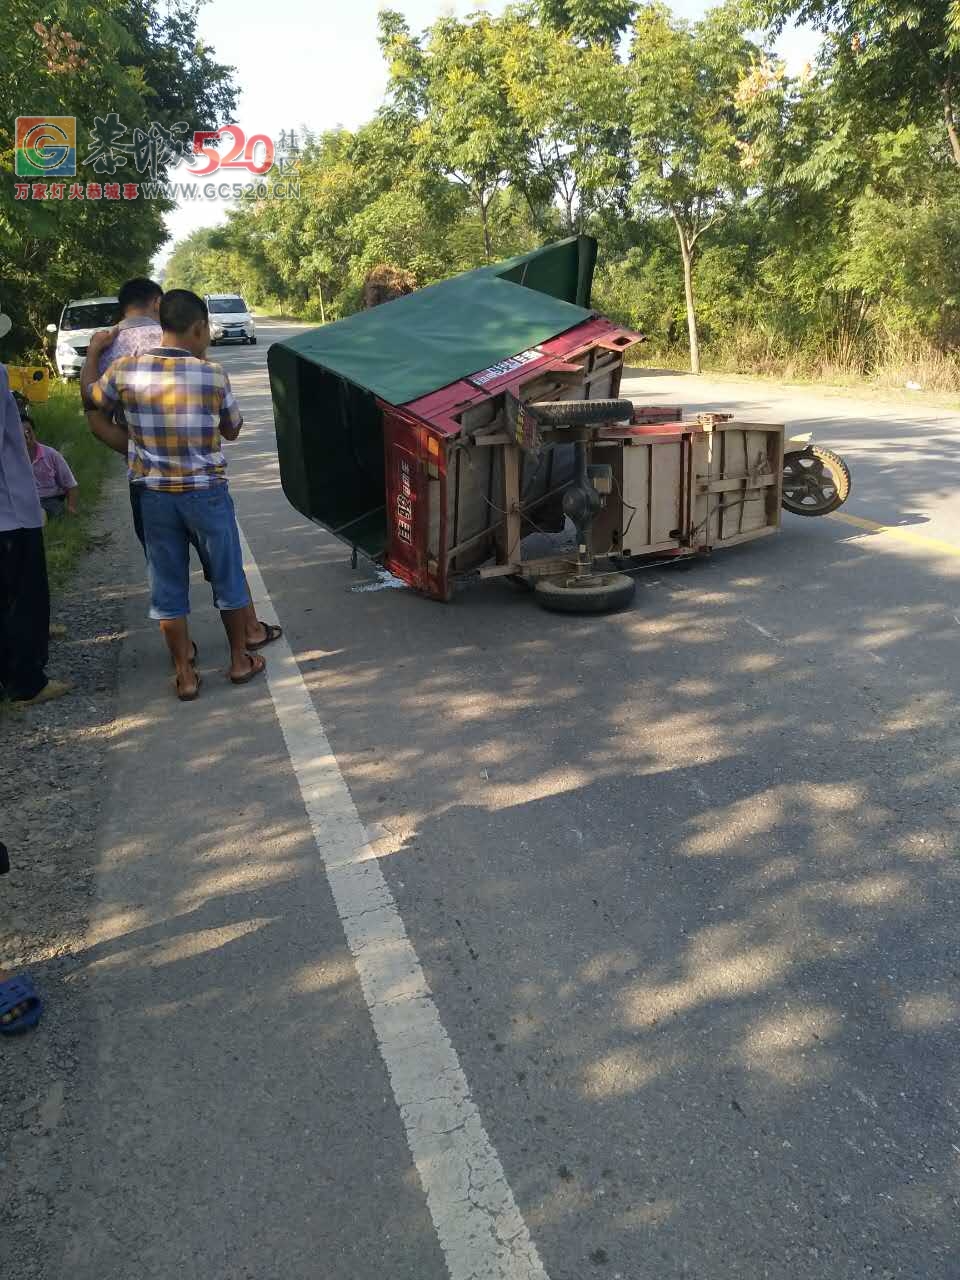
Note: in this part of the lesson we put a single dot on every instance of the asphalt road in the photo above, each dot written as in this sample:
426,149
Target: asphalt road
682,884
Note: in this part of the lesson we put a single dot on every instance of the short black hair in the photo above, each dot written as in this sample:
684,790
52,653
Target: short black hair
138,292
23,407
180,310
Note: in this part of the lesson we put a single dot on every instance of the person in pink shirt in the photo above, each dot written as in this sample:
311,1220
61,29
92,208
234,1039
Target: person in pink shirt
57,486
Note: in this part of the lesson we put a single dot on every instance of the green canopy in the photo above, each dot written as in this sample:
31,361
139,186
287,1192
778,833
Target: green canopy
428,339
323,381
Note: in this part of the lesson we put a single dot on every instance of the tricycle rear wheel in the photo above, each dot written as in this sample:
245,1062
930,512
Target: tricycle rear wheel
815,482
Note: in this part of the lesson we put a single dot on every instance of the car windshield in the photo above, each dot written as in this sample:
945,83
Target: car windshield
226,306
94,315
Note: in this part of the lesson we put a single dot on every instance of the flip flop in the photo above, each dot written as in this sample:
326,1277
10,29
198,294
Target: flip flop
193,695
272,633
14,993
257,667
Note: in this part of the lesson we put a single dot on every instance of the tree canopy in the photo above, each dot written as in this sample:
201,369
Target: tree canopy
749,216
140,59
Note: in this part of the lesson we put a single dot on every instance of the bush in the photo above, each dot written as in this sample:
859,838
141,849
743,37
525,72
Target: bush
60,423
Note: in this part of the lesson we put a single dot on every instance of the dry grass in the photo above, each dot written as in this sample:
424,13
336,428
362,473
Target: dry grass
894,363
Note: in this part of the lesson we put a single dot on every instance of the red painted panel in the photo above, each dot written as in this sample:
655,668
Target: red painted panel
406,513
438,408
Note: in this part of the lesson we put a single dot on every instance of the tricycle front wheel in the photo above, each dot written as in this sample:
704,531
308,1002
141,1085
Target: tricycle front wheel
604,593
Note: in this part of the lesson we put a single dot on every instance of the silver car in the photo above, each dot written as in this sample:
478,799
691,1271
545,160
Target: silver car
230,319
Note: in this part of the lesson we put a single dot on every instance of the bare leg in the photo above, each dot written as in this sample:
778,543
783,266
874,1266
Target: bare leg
254,631
177,635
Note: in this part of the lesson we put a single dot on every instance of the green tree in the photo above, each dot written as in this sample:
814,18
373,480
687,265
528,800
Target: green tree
570,101
686,124
142,61
886,58
592,21
904,260
218,260
852,207
452,87
364,202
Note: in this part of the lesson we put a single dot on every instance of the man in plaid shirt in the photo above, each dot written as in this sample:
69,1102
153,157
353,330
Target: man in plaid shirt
138,331
177,405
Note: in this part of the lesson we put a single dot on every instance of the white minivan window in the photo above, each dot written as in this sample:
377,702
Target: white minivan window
226,306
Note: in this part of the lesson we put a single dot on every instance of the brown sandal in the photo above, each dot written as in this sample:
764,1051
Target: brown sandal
257,666
271,633
194,693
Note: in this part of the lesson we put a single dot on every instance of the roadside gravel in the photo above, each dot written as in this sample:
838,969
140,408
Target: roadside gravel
52,761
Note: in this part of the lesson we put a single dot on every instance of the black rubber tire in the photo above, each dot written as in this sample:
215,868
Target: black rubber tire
581,413
839,475
604,594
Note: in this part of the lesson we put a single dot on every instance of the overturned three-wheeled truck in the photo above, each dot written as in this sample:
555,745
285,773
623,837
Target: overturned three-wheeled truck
435,432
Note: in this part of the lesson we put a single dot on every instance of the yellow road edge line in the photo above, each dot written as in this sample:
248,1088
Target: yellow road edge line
896,531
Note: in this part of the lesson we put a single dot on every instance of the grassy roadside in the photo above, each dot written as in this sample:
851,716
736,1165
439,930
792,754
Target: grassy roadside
60,423
281,317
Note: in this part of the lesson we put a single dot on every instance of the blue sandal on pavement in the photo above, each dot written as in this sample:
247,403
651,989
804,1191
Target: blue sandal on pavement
18,997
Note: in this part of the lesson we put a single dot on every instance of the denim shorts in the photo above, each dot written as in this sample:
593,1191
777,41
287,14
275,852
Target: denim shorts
136,501
171,522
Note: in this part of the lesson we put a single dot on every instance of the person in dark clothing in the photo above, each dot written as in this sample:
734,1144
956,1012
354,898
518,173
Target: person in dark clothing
24,591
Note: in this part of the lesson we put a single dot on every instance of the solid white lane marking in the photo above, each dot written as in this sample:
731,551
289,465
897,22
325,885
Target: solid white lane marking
481,1231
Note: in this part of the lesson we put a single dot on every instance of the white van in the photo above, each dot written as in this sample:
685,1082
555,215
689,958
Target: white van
79,321
230,319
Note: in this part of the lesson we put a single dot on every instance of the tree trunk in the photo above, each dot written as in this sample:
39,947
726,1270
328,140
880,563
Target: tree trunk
950,121
487,246
686,253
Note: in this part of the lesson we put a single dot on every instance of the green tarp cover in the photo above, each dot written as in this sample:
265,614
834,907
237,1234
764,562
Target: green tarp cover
324,382
428,339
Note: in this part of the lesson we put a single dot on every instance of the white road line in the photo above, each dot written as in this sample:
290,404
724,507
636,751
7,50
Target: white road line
481,1231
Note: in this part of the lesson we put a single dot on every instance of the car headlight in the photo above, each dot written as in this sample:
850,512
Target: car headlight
216,330
66,350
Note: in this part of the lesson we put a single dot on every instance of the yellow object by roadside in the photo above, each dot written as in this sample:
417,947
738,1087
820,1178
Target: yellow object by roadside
32,381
